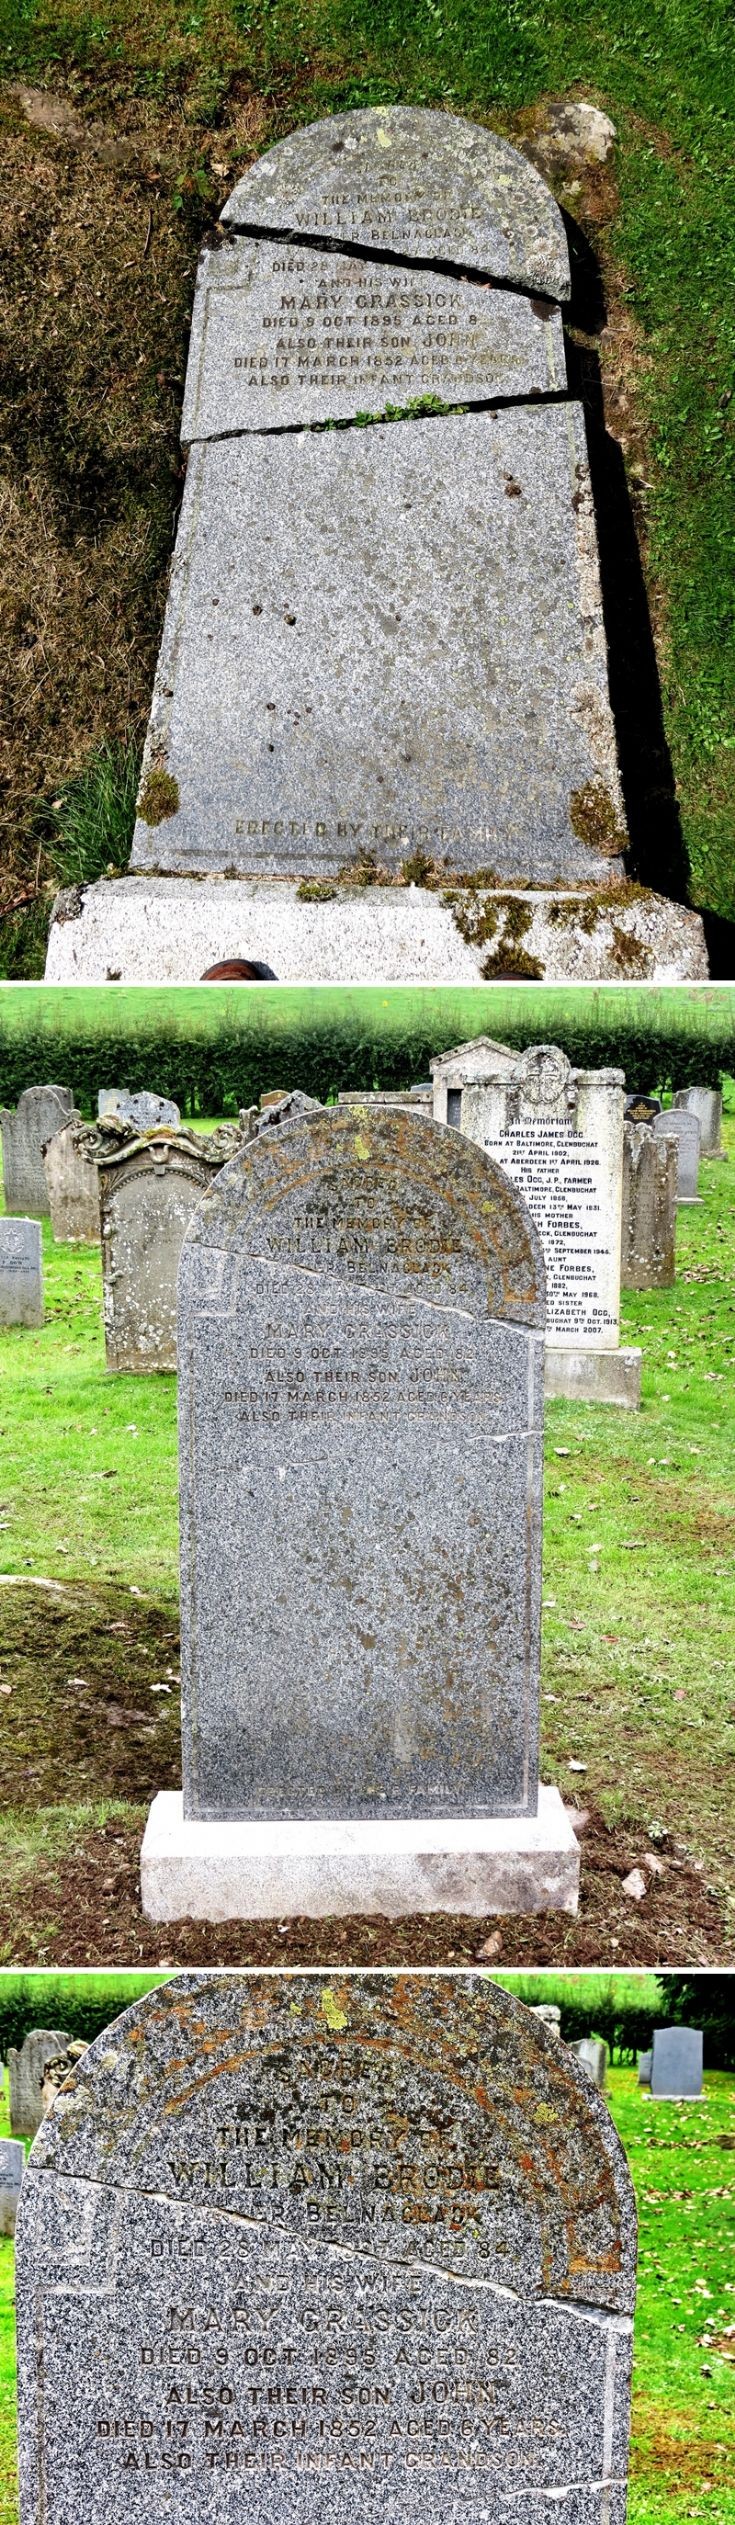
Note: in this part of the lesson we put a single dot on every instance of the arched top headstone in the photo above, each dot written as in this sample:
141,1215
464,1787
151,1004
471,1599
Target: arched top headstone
383,1198
405,180
259,2094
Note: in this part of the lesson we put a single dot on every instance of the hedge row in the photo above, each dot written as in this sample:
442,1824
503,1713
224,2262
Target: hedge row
217,1074
84,2006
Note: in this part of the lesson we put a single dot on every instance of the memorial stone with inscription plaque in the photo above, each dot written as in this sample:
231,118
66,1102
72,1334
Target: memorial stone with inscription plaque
384,648
288,2240
557,1132
361,1300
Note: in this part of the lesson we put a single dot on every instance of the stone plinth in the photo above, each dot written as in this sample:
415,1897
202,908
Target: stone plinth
329,1870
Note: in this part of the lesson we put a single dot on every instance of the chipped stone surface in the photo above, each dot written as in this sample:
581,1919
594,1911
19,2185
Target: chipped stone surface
683,1127
12,2165
558,1133
40,1112
144,1111
648,1243
21,1272
170,929
281,335
73,1186
148,1191
25,2077
406,181
388,640
284,2233
360,1366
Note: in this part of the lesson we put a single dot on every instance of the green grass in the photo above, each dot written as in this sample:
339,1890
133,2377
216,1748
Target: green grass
637,1642
663,69
683,2438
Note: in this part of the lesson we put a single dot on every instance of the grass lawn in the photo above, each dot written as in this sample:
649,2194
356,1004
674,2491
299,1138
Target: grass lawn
110,175
639,1593
683,2439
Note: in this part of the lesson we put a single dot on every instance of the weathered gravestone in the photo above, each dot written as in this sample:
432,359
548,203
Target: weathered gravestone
706,1103
403,1100
550,2016
592,2056
73,1186
648,1242
146,1112
40,1112
684,1128
677,2059
286,2231
26,2074
148,1191
361,1304
644,2068
12,2166
557,1132
384,652
21,1272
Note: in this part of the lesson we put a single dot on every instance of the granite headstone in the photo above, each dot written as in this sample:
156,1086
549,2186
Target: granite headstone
592,2056
684,1128
26,1129
12,2167
284,2232
73,1186
648,1242
677,2060
360,1409
148,1190
146,1112
644,2068
706,1103
21,1272
26,2069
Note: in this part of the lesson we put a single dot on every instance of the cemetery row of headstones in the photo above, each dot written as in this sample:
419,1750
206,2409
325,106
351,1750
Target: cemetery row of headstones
603,1180
384,653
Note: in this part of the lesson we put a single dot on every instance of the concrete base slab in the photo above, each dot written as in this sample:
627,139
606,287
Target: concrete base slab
171,929
593,1376
326,1870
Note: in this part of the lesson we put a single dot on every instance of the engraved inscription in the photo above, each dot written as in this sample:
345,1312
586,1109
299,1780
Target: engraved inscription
562,1173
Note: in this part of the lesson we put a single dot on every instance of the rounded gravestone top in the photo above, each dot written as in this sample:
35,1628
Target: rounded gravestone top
439,2122
427,186
387,1198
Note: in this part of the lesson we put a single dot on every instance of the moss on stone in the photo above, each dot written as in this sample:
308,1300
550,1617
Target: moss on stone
159,796
592,817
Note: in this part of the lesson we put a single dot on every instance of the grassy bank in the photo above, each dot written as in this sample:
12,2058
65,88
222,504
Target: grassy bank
146,117
683,2435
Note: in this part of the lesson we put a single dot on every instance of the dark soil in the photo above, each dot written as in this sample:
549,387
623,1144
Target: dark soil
83,1715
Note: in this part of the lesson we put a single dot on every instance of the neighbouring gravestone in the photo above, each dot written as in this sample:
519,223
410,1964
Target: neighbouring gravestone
677,2060
550,2017
557,1132
21,1272
12,2167
706,1103
73,1186
644,2068
648,1242
360,1336
642,1108
684,1128
145,1112
26,2070
148,1190
285,2231
40,1112
387,1100
592,2056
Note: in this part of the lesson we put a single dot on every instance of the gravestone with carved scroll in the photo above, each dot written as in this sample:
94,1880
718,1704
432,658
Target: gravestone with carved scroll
293,2243
360,1336
383,671
557,1132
